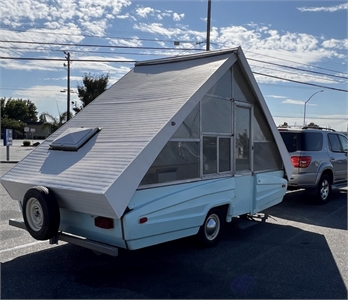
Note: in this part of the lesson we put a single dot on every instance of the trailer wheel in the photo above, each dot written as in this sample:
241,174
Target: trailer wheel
41,213
209,233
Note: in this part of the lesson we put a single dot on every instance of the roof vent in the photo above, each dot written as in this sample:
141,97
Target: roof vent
73,139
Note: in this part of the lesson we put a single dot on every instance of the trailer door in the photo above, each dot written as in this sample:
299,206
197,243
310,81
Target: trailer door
243,157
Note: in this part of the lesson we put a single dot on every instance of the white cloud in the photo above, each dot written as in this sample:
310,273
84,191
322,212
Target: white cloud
157,28
94,27
68,19
79,12
335,8
37,65
296,102
143,12
180,32
177,17
46,98
166,14
276,96
101,67
336,44
270,45
290,101
134,42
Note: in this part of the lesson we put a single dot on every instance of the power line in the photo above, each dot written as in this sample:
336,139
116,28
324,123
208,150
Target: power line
159,48
62,59
300,82
169,41
295,62
107,37
307,75
298,69
133,61
79,51
101,46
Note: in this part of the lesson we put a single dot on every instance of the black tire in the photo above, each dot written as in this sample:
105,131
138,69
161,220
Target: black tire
41,213
210,232
323,190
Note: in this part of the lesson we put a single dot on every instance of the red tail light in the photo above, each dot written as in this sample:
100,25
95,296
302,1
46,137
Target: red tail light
103,222
142,220
301,161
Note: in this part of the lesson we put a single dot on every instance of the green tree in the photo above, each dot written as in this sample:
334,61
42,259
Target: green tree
16,126
15,113
19,110
52,122
90,88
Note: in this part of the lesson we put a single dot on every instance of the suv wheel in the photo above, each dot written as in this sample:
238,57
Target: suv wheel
324,189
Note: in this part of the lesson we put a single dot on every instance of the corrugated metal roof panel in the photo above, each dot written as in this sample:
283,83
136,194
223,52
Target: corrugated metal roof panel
130,114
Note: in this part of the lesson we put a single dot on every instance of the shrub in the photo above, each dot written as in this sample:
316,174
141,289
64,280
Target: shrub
26,143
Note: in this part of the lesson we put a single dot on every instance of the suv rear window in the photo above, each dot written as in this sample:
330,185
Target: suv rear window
302,141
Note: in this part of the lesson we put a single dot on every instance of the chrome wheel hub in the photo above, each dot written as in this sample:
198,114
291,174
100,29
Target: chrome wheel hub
324,190
212,227
34,214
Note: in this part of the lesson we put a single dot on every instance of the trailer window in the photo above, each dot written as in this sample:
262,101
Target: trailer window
267,156
242,138
224,154
189,129
216,155
223,88
176,161
216,115
209,155
241,89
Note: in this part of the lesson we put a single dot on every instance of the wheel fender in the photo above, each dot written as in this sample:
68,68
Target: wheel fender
218,205
327,168
41,213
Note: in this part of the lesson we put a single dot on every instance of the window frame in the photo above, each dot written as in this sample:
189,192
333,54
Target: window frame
218,173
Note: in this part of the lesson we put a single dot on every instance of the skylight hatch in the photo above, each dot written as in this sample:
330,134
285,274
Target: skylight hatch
73,139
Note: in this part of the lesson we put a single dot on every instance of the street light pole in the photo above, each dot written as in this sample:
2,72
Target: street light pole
304,113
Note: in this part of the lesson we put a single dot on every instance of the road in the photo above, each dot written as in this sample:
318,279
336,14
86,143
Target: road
300,252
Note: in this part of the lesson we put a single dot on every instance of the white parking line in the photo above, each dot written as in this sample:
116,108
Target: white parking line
22,246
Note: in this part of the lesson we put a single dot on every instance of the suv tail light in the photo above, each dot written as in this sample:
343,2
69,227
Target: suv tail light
301,161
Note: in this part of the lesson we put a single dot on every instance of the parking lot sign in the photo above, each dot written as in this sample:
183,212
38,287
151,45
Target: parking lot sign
7,137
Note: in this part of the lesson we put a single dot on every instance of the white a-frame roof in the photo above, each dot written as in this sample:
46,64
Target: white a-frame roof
136,117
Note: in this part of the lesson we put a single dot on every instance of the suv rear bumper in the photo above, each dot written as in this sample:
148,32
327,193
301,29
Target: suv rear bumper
305,180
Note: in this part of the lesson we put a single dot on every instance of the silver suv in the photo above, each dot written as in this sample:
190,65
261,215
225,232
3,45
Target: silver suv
319,156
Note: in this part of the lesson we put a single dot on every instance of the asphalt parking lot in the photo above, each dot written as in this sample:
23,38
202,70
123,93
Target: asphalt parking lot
300,252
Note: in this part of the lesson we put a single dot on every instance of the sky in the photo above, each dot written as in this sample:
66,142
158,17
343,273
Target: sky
297,50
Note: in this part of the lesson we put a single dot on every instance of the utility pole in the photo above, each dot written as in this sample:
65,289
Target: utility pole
67,57
208,26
